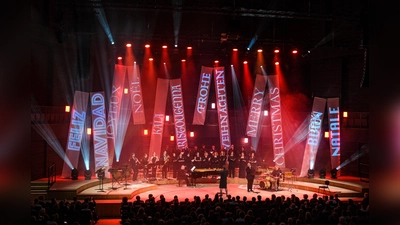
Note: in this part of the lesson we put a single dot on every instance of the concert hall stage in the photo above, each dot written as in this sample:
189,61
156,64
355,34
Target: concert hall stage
109,194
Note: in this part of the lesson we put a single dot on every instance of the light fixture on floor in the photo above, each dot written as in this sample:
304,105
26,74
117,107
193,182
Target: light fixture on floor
88,174
74,174
310,173
334,173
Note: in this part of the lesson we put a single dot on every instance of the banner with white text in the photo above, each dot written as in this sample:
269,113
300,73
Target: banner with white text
99,127
334,131
276,120
135,89
179,113
314,135
256,106
159,116
222,107
115,108
200,110
75,131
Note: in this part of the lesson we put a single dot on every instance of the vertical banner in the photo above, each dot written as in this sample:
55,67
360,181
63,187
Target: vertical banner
276,120
115,108
314,135
334,131
179,113
99,127
202,96
159,115
222,107
256,106
75,131
135,89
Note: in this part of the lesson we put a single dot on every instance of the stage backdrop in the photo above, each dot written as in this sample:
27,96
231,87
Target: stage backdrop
334,131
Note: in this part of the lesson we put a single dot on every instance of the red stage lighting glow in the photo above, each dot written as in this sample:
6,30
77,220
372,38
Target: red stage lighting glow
67,108
145,132
128,45
147,46
119,58
191,134
244,62
276,51
150,59
235,49
164,46
294,51
183,60
276,63
189,48
259,50
216,61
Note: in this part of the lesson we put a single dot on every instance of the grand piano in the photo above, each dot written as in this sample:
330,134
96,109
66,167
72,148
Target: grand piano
203,172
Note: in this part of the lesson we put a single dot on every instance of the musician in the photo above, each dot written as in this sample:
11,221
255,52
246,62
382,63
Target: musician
145,163
203,149
242,165
223,159
206,160
250,171
253,160
164,164
175,165
214,160
183,175
231,164
276,174
197,160
134,161
212,150
153,161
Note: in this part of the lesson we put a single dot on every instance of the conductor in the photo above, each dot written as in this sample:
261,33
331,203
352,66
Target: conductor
223,181
250,177
183,175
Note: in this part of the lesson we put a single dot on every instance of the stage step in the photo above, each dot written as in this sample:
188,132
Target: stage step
39,187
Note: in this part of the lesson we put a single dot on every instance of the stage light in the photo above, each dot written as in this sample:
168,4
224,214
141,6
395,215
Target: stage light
88,174
125,90
89,131
326,134
189,47
244,62
176,46
322,173
167,118
150,59
246,140
248,49
129,45
171,138
67,108
119,58
147,45
265,112
294,51
216,61
164,46
191,134
310,173
145,132
276,50
345,114
213,105
276,63
334,173
235,49
74,174
259,50
183,60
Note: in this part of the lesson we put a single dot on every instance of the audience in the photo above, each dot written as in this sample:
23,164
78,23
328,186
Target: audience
234,210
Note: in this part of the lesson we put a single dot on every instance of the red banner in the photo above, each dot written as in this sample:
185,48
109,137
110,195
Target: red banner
314,135
334,131
256,106
276,120
202,96
135,89
159,115
75,132
179,113
99,127
115,108
222,107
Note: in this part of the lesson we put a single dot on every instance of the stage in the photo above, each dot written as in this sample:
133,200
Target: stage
109,193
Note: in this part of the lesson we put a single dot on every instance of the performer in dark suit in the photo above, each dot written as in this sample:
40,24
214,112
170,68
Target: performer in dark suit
242,165
232,164
183,175
223,183
250,177
134,161
276,174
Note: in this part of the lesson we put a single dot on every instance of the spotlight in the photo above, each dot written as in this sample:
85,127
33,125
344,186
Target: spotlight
334,173
74,174
310,173
322,173
88,174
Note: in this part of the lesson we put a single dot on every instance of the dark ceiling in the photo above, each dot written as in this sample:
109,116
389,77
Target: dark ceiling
211,25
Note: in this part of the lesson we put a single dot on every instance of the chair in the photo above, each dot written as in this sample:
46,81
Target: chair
324,187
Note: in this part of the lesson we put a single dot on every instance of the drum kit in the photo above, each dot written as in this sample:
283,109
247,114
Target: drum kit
270,182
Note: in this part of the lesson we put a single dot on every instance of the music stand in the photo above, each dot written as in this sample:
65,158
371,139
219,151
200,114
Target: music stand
100,175
113,171
125,171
